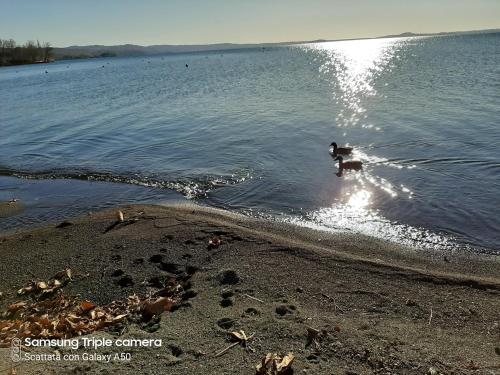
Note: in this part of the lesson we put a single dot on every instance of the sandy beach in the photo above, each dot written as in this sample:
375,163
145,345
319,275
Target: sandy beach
369,306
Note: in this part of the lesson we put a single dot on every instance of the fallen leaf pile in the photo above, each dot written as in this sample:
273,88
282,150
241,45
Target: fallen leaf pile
42,288
59,316
273,364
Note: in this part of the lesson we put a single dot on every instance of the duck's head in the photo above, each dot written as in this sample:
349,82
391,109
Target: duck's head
333,144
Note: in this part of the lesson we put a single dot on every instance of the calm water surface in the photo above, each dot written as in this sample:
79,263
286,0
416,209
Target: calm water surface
249,131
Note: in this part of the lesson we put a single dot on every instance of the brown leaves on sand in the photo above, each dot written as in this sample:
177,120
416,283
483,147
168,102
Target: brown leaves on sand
157,306
273,364
42,288
60,316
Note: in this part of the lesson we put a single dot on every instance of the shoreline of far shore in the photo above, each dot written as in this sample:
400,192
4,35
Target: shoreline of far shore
372,306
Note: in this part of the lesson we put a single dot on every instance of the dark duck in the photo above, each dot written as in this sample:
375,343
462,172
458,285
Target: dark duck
335,150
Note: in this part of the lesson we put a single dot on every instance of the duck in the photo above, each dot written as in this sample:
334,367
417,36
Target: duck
340,150
353,165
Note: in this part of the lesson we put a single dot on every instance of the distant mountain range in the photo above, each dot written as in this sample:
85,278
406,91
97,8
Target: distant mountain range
77,52
136,50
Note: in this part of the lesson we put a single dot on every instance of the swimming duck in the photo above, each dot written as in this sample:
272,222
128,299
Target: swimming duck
340,150
354,165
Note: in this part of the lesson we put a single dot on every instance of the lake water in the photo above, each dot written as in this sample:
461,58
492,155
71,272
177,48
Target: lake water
249,131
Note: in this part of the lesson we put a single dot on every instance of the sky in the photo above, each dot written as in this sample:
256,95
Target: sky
147,22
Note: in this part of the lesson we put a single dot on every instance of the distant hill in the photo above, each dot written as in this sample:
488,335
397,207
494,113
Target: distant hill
136,50
410,34
76,52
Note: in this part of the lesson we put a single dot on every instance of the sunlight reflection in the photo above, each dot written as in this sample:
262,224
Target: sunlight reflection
359,199
352,67
369,222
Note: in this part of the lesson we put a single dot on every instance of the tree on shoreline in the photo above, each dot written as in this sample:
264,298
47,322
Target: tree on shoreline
28,53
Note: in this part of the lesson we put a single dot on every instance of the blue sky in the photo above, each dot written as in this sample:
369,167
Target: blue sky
145,22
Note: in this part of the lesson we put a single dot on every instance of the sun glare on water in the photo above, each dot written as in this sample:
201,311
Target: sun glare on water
352,67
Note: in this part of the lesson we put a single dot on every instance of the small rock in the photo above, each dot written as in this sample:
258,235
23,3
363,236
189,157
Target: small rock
432,371
299,290
497,349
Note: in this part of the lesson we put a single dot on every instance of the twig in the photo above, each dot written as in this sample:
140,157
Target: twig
225,350
254,298
430,317
243,342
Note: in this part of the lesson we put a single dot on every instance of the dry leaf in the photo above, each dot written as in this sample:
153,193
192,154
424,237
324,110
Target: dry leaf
286,362
239,336
41,285
119,317
158,306
273,364
25,290
16,306
87,306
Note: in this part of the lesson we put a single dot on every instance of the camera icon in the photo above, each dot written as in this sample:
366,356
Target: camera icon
15,350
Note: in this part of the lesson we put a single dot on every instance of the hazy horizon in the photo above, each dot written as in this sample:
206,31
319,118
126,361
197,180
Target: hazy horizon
156,22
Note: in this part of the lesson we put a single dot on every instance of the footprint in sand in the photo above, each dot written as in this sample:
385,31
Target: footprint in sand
228,277
116,273
283,310
250,312
226,302
157,258
125,281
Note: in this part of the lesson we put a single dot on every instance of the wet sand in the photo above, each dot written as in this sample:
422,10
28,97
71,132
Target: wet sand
10,208
379,307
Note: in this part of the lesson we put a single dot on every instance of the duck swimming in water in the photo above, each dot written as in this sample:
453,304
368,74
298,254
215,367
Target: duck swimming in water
353,165
339,150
